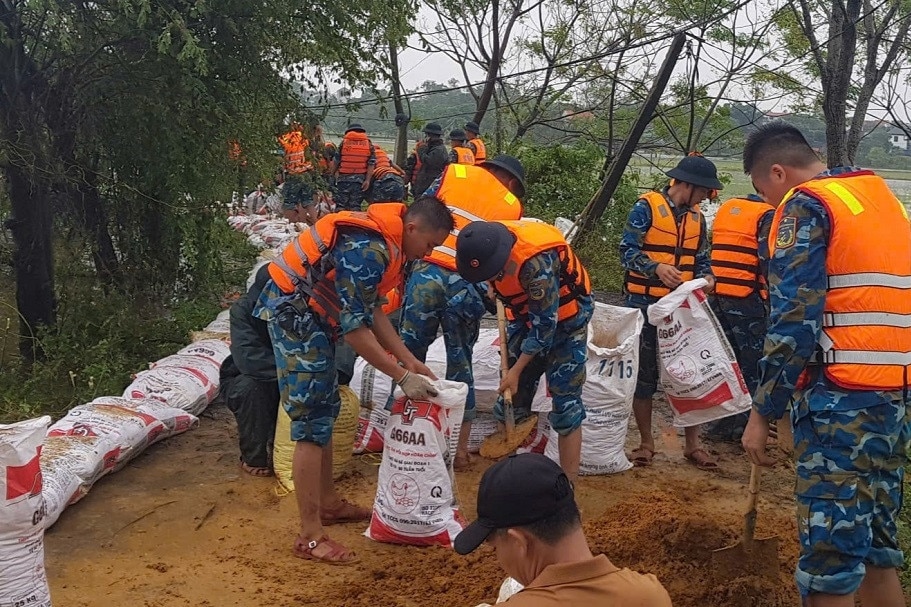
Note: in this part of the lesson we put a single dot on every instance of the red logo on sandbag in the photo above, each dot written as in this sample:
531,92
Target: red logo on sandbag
412,409
24,479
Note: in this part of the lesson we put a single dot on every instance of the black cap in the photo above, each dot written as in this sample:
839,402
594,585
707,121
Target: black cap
482,249
457,134
432,128
516,491
697,170
473,127
355,126
511,164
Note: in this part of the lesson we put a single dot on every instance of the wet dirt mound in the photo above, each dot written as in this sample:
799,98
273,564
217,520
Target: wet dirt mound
673,535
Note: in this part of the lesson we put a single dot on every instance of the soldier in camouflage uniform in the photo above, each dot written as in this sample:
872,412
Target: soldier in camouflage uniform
536,274
850,442
740,299
665,243
303,335
437,298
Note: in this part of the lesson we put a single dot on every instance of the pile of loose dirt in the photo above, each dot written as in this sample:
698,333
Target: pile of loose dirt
673,535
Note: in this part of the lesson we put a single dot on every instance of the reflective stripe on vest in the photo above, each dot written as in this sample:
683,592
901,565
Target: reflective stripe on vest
355,152
668,242
472,193
735,248
865,343
463,155
533,238
301,265
480,150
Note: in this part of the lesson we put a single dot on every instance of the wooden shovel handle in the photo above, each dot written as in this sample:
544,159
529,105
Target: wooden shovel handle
504,353
749,518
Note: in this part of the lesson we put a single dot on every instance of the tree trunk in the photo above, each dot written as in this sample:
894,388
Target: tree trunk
33,259
401,135
842,47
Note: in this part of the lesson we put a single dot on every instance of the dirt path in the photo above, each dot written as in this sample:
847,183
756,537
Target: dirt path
183,526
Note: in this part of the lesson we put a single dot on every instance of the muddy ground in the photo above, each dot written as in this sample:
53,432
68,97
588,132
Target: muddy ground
182,525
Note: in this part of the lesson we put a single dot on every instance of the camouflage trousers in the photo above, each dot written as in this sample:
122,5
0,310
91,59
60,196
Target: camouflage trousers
307,376
849,488
744,324
436,298
348,195
563,364
390,188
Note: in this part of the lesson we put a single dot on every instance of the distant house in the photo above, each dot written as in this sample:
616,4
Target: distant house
899,139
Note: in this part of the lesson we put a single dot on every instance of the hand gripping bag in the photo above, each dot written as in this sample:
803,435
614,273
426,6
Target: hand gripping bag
699,372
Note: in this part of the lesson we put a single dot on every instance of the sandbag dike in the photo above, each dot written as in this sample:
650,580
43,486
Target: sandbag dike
671,535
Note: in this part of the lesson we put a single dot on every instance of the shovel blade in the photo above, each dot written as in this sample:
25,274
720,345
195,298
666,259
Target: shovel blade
759,559
500,443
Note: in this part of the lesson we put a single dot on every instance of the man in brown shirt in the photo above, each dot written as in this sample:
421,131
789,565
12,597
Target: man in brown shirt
528,513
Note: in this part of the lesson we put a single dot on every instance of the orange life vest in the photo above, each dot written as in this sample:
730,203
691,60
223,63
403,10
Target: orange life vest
472,194
533,238
480,150
356,151
735,248
393,301
301,266
295,145
326,157
384,165
463,155
668,242
865,342
417,156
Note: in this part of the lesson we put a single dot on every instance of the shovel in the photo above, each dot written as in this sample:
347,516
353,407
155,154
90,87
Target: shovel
750,556
500,443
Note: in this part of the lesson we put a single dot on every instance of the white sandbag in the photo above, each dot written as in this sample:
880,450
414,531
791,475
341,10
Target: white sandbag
98,438
213,350
699,372
373,389
185,389
415,498
539,438
484,425
22,577
611,370
221,324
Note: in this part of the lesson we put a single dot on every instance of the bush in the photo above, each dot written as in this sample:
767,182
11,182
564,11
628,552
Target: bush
104,335
561,180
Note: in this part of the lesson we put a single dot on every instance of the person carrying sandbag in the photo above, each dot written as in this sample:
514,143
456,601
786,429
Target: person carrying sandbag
328,283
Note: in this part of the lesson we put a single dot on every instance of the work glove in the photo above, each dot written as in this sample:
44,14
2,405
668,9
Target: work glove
417,386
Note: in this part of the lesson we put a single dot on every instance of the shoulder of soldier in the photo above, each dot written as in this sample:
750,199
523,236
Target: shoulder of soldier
640,216
361,242
803,205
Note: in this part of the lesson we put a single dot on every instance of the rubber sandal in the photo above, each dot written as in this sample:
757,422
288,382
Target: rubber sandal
255,471
642,456
335,556
701,459
345,513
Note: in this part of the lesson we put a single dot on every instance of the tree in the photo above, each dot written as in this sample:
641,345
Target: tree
825,37
116,115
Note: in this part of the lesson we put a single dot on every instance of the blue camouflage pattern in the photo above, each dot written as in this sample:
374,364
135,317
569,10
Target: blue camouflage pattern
850,471
304,344
389,188
850,446
634,259
347,194
437,298
560,349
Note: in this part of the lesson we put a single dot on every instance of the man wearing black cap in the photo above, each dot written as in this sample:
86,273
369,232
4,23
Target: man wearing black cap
665,244
473,132
436,297
353,166
527,512
547,295
430,159
460,152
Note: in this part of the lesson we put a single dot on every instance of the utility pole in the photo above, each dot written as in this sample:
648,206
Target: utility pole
401,136
602,198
